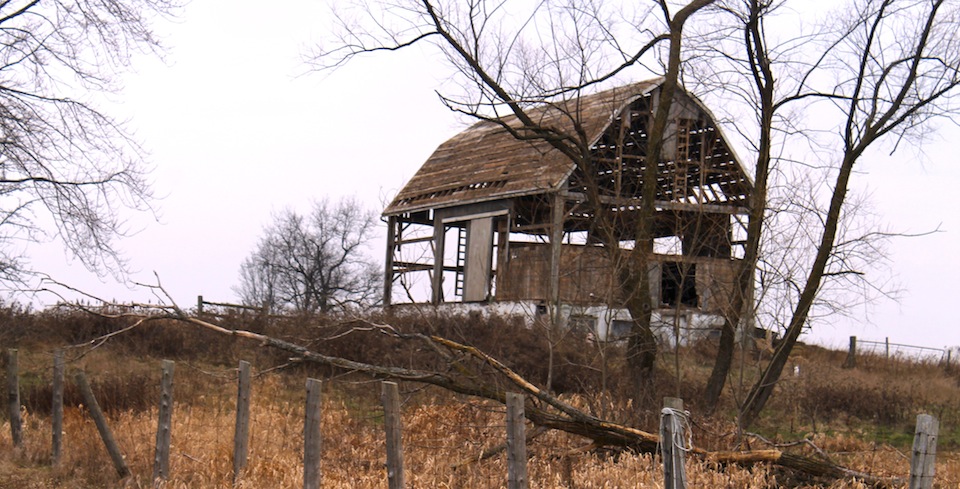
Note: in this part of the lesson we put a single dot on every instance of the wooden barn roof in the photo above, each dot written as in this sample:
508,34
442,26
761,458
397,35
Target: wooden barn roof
484,162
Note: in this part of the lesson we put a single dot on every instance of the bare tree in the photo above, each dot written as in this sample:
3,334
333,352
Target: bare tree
878,70
67,169
511,62
903,67
313,263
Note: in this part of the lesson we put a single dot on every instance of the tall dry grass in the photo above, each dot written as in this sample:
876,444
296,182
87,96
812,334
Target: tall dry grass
441,431
851,414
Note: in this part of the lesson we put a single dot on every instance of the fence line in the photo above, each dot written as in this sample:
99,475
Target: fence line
922,463
888,349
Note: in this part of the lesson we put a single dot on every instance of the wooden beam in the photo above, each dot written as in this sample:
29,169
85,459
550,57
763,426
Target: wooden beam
408,266
439,232
388,269
661,204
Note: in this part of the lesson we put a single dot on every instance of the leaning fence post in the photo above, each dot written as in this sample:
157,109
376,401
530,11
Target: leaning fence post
242,431
516,443
671,431
13,398
311,436
101,421
390,396
851,354
57,408
161,458
923,462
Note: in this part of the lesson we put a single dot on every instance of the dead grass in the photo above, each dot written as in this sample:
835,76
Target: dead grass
861,417
440,431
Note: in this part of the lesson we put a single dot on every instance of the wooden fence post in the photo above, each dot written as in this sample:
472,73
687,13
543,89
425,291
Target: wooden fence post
671,429
311,436
161,458
101,421
923,462
851,360
516,443
241,434
57,409
390,396
13,397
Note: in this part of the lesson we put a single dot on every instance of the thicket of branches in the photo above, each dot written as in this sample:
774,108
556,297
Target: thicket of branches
67,169
316,262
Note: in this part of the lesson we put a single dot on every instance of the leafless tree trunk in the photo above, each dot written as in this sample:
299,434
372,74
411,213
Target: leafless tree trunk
902,72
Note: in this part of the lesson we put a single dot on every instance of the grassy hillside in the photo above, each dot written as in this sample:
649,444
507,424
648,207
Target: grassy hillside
861,417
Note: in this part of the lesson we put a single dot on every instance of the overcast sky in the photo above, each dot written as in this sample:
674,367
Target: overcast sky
237,129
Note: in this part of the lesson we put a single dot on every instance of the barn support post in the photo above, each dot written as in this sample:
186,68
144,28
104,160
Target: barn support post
439,236
923,461
388,264
503,253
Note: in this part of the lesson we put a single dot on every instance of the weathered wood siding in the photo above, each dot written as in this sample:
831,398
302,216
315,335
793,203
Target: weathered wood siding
587,277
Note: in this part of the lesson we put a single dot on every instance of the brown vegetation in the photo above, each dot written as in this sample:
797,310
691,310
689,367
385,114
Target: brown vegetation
862,417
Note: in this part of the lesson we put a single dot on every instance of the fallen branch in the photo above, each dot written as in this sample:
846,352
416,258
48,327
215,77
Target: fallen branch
544,410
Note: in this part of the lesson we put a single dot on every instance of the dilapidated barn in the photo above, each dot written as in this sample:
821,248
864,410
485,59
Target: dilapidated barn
491,219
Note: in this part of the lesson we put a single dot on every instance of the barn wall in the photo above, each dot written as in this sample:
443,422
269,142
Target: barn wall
587,277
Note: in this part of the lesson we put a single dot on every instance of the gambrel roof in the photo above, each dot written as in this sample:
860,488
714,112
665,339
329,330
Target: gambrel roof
485,162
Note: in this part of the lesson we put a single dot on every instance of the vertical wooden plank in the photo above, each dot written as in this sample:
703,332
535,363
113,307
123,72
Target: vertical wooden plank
101,421
311,436
390,396
886,342
241,434
199,305
851,360
503,253
516,443
57,410
479,259
923,461
161,457
13,397
388,264
674,470
439,236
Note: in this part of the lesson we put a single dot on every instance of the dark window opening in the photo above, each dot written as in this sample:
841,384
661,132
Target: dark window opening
620,329
582,325
678,284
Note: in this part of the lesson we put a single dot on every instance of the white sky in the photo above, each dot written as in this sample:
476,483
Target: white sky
237,131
